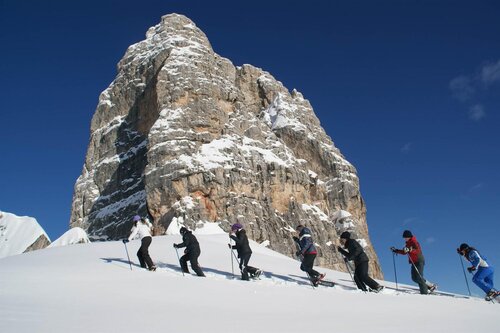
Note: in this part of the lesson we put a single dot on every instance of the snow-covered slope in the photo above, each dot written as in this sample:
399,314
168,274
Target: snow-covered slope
90,288
72,236
18,233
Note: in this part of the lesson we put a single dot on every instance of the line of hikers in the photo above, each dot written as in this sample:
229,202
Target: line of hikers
350,249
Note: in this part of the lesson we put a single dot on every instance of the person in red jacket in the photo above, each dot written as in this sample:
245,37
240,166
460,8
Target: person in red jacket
416,259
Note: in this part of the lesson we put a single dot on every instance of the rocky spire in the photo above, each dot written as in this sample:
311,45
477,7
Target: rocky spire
184,136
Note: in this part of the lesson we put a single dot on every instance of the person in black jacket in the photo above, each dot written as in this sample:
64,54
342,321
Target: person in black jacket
355,252
239,235
191,253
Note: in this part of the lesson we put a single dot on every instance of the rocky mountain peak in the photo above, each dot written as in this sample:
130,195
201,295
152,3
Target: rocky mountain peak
187,138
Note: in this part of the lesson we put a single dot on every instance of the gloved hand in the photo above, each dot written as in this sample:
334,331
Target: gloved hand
339,249
176,246
471,269
125,241
458,251
406,250
393,249
230,246
296,239
345,259
298,253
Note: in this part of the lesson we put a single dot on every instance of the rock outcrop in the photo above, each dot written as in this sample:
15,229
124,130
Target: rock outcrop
184,136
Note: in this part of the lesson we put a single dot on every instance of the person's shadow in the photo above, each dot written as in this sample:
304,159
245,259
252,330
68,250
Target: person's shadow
115,261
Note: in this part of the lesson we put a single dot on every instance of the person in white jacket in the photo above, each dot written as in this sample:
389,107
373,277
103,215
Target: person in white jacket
142,228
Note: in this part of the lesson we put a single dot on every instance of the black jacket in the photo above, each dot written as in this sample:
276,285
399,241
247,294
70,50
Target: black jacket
354,252
242,245
190,242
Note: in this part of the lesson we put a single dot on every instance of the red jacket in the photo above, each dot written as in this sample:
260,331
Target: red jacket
415,250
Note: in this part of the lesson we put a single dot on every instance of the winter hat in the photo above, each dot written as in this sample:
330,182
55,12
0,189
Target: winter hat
236,226
183,230
345,235
299,227
463,247
407,234
137,218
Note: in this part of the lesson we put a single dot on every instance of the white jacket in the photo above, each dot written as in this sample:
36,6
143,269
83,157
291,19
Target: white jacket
143,229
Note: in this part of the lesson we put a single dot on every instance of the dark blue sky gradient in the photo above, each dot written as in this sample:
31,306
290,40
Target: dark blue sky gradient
377,73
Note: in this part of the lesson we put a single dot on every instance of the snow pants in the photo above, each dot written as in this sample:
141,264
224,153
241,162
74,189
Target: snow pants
193,258
417,275
143,254
307,265
484,278
245,269
361,277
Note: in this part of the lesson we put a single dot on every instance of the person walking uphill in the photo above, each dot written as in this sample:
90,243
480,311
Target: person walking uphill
191,253
142,227
239,235
355,252
307,252
483,277
416,259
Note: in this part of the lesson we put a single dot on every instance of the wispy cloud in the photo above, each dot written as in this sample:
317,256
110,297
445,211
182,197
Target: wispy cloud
409,220
473,191
477,112
406,148
490,73
461,88
430,240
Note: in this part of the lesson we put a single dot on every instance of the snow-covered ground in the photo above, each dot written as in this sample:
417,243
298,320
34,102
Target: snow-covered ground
90,288
17,233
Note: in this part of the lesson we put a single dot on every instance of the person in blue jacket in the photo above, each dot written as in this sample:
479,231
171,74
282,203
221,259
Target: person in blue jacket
306,251
483,277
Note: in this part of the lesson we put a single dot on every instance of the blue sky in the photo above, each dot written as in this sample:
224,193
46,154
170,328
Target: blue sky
408,90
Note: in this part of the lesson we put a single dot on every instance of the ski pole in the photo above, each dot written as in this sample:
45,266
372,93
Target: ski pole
126,250
178,259
465,276
395,272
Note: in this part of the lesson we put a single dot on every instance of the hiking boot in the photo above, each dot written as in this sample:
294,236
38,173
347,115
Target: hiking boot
152,268
257,273
378,289
432,288
321,276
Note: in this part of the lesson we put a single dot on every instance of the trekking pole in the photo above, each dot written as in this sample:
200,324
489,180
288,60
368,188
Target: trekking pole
178,259
395,272
349,269
231,255
126,250
465,276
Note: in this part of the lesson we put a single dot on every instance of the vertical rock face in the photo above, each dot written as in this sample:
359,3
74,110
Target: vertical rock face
184,136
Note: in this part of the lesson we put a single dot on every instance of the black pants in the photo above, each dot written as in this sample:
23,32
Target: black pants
245,269
143,254
417,275
307,265
362,278
193,258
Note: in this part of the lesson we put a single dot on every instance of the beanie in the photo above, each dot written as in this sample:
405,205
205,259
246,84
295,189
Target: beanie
236,226
463,247
345,235
136,218
183,230
407,234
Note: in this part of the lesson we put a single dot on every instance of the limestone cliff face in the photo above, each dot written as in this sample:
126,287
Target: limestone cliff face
184,136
